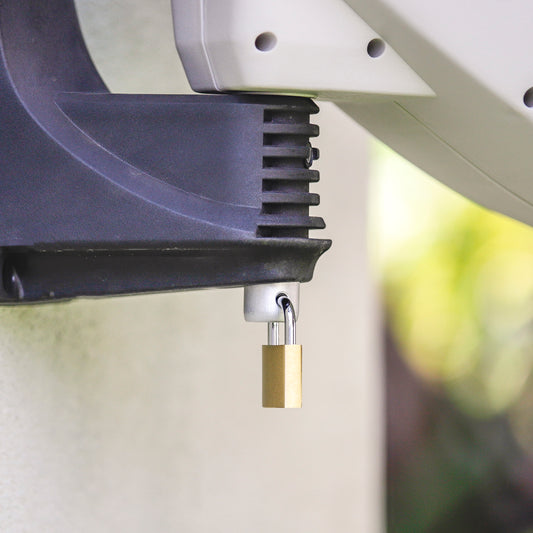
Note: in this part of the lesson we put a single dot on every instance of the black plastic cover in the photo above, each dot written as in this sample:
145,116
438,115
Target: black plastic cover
113,194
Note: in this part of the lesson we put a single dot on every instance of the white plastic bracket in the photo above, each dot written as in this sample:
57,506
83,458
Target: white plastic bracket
260,301
317,48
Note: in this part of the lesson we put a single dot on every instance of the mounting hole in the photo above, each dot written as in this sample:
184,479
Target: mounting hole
266,41
375,47
528,97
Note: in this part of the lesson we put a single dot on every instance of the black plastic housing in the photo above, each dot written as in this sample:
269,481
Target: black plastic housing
105,194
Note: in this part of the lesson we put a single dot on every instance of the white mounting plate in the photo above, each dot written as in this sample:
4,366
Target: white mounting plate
260,303
305,47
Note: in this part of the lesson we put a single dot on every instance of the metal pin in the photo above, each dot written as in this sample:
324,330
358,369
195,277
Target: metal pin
273,333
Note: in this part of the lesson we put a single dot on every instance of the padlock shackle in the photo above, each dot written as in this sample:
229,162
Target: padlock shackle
290,318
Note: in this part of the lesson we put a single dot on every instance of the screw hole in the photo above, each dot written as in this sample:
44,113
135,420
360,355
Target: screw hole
376,47
528,97
266,41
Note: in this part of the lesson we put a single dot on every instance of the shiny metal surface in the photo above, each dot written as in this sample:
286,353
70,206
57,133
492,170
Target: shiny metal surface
289,316
282,376
273,333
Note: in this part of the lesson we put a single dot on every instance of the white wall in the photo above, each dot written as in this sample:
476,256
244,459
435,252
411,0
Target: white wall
142,414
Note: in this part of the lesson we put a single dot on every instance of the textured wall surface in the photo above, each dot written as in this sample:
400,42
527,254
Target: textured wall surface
142,414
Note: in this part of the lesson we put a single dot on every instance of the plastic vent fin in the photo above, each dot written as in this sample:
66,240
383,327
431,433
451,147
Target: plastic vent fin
287,156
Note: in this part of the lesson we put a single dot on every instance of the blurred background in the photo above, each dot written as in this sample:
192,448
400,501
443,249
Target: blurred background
457,291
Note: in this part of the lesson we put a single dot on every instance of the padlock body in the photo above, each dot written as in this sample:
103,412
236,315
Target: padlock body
282,376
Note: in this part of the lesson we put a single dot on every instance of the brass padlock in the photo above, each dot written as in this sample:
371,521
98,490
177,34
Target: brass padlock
282,363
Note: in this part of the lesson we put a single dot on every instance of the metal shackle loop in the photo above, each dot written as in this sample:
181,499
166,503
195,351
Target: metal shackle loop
290,318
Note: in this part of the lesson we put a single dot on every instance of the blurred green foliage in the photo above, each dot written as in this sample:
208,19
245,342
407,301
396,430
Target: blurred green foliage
458,289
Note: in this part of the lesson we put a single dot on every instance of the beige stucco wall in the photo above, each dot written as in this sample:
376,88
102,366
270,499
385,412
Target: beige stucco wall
141,414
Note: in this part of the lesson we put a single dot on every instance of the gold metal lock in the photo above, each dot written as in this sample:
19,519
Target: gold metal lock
282,376
282,363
